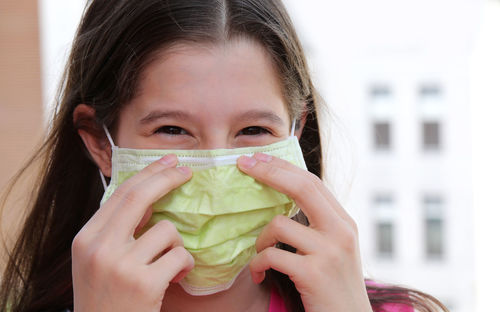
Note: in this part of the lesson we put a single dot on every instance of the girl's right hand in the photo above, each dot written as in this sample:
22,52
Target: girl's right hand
113,271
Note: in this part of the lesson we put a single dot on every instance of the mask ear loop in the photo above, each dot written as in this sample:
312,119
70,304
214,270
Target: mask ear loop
292,131
103,180
110,139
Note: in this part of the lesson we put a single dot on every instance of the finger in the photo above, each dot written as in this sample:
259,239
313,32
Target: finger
144,220
172,266
285,230
138,198
301,186
103,214
160,238
278,259
322,188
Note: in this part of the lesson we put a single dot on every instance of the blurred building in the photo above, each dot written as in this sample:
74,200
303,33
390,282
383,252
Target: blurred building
413,190
20,92
20,86
396,75
485,96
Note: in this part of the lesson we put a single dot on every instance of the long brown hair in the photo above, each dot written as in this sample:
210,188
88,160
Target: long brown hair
115,41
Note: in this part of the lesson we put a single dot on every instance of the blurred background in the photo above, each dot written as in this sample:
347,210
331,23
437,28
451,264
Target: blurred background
411,129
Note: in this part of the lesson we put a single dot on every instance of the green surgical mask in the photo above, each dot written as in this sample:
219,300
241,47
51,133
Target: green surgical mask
219,212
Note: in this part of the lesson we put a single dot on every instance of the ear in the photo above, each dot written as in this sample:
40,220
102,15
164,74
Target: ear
93,137
301,124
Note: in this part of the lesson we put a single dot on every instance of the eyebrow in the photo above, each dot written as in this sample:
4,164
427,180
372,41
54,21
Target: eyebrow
253,115
155,115
248,116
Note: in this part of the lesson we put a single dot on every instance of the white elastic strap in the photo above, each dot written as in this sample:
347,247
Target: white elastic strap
103,180
109,136
292,131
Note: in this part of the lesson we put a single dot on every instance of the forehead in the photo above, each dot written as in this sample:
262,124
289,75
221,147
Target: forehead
225,78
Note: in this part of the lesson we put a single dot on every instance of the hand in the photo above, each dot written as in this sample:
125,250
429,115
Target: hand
112,271
326,269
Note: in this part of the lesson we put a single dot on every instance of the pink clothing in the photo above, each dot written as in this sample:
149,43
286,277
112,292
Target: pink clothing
394,307
278,305
390,307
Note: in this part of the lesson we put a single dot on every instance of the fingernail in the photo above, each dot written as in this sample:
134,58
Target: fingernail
263,157
247,162
184,170
168,160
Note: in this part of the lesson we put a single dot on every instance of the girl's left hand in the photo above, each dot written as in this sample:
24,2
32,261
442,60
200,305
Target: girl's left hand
326,269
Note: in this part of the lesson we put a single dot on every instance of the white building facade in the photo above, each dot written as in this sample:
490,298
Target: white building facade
396,75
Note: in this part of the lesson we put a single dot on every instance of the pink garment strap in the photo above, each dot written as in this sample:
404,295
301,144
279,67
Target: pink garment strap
276,303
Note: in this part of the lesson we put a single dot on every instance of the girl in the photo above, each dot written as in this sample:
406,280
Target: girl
223,75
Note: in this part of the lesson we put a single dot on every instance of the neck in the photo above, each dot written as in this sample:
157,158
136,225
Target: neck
243,296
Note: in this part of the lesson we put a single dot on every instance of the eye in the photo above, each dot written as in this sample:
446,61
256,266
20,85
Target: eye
171,130
254,130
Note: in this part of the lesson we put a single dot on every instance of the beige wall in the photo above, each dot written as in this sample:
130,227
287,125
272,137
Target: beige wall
20,88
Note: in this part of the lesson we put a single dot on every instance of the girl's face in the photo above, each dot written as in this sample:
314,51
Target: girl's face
206,97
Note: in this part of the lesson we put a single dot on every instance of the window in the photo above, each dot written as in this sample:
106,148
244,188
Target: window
384,226
431,136
382,135
380,93
430,92
385,239
431,101
381,110
433,207
381,99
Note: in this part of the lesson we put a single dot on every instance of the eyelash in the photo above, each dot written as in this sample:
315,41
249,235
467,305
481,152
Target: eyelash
169,129
259,129
174,130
